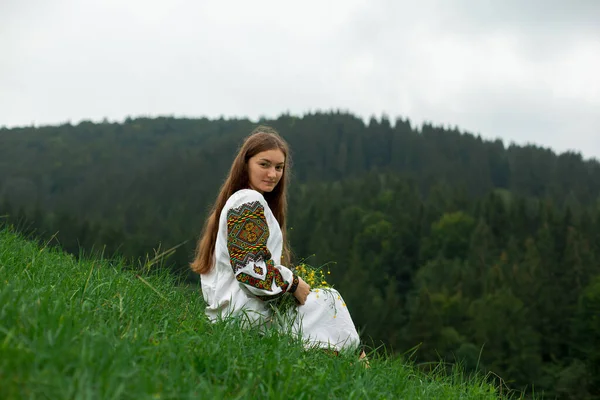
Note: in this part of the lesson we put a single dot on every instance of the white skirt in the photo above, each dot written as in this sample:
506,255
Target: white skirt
324,321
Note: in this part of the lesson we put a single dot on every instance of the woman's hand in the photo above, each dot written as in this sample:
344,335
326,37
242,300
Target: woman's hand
302,291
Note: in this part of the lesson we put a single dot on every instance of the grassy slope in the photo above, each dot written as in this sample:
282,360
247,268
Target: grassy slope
90,329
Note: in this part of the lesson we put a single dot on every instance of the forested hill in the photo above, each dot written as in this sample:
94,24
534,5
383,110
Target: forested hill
467,249
85,166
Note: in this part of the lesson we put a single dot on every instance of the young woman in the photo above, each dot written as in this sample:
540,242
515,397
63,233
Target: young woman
243,257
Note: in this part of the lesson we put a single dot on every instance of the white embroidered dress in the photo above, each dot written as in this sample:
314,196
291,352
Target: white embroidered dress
247,275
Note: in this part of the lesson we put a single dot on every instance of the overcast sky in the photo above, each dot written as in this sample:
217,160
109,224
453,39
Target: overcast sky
523,70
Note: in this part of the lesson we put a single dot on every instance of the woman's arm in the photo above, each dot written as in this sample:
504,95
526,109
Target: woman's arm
251,261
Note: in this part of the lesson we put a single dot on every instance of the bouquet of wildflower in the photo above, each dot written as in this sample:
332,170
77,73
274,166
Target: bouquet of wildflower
315,277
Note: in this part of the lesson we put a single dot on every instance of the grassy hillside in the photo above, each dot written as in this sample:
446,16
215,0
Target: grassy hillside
94,329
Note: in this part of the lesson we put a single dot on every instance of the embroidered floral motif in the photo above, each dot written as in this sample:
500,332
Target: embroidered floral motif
265,284
247,234
251,232
295,283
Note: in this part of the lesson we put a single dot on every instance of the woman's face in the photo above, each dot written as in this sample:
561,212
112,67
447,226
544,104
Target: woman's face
265,170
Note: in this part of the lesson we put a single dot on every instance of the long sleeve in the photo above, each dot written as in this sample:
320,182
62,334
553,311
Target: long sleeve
251,260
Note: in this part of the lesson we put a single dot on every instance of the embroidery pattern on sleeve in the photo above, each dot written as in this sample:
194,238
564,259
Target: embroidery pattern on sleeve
247,234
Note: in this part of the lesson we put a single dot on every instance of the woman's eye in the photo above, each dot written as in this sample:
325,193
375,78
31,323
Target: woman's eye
279,168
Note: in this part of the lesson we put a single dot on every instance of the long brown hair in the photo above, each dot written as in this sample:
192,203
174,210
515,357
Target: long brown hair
261,139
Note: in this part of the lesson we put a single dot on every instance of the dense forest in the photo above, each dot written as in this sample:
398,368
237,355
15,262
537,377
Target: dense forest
443,244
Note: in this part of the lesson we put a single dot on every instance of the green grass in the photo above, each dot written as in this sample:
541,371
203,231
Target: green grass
93,329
